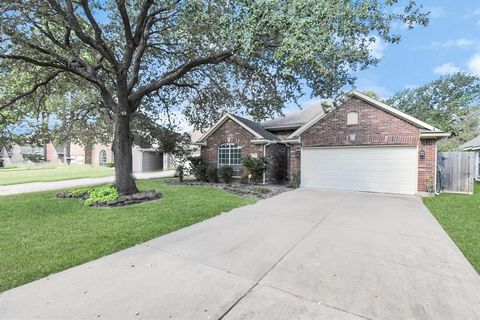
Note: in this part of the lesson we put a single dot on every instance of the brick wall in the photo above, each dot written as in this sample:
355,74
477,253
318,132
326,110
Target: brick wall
232,132
51,154
375,127
427,167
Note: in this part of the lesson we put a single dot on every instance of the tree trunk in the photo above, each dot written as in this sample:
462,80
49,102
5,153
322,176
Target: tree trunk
122,149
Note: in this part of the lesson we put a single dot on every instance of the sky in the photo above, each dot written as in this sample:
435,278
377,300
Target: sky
450,43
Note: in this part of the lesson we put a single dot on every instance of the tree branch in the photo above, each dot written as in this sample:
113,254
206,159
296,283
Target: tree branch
179,72
31,91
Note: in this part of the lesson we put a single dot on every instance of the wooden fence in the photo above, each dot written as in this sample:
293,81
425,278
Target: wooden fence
456,171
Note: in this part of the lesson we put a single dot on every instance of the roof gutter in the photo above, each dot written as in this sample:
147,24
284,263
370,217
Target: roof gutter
291,141
434,134
262,141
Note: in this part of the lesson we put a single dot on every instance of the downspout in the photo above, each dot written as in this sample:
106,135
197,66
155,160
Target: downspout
265,155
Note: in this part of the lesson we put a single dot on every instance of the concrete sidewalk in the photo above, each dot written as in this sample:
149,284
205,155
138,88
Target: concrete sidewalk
65,184
304,254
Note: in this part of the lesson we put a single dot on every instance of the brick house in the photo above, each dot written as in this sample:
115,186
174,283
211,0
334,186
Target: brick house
362,144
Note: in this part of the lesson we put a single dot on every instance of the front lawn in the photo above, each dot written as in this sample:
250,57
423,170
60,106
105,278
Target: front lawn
459,215
40,234
49,173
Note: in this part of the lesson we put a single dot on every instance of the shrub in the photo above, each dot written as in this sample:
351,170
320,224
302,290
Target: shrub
226,173
110,165
97,194
256,166
212,173
195,162
201,172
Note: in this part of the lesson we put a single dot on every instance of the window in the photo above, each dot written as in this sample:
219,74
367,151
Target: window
229,155
352,118
102,159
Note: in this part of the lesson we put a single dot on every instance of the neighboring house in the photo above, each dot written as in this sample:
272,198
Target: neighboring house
4,156
362,145
22,154
474,145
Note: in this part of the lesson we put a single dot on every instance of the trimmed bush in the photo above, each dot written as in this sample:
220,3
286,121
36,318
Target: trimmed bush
256,166
110,165
201,172
212,173
226,173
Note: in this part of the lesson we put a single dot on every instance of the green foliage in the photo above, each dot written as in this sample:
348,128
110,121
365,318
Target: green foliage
110,165
201,172
256,166
373,94
226,173
449,103
212,173
97,194
266,50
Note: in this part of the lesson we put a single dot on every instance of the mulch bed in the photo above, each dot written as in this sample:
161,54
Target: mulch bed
257,191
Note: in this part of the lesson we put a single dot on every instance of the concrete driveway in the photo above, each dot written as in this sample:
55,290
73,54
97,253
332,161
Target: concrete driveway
305,254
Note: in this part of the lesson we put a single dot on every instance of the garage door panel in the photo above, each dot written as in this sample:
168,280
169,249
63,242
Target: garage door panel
377,169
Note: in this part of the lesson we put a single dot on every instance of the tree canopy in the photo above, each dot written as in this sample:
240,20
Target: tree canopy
200,56
450,103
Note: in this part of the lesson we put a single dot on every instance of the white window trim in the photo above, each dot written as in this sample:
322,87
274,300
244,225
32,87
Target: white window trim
239,147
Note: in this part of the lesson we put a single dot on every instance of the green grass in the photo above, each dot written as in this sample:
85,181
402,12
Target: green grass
40,234
32,174
459,215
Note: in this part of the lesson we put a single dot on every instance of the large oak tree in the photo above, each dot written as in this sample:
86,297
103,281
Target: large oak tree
200,55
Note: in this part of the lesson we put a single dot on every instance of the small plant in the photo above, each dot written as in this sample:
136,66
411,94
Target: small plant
212,173
256,166
226,173
110,165
294,181
97,194
201,172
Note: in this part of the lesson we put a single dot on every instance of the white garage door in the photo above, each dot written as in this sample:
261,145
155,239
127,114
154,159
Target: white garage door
390,169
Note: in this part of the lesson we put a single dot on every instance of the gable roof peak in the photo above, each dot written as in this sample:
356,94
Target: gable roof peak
254,128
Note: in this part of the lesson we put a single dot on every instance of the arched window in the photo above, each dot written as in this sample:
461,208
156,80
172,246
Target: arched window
229,154
102,158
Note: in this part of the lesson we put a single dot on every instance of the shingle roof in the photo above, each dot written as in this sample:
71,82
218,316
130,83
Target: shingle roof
257,128
472,144
295,119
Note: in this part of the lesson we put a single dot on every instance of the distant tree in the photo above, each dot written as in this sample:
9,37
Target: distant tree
373,94
449,103
202,56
